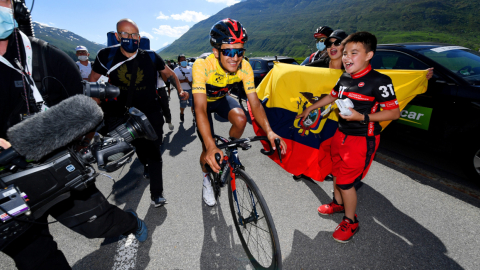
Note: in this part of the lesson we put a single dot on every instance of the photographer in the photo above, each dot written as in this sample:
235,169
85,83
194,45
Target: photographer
86,212
134,72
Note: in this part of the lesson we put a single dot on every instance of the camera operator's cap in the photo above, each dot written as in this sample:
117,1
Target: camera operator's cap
81,48
339,34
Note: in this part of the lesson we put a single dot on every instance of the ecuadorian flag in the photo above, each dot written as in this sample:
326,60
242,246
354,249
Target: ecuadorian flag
288,89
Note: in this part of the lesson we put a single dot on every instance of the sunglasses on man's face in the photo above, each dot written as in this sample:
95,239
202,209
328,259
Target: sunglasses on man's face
329,44
232,52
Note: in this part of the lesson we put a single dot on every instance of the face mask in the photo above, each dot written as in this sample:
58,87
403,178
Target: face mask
129,45
183,63
83,58
7,23
320,46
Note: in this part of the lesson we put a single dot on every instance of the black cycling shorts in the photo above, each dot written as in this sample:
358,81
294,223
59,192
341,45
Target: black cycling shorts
221,107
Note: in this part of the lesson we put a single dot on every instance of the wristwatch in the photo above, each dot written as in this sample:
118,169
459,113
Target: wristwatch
365,120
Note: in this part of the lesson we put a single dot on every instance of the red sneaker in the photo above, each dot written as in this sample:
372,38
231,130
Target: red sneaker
328,209
345,230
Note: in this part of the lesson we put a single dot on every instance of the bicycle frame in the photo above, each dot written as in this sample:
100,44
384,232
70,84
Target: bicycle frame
234,164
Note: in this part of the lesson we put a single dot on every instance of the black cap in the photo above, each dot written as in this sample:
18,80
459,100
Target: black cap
339,34
181,55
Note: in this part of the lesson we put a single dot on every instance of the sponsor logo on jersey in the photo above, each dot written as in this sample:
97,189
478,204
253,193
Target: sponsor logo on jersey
362,84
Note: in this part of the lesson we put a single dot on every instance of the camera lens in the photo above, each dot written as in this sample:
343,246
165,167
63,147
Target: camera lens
100,90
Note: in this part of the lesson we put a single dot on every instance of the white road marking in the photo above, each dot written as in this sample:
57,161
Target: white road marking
401,237
126,255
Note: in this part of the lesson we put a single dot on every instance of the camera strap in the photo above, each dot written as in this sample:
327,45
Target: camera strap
26,71
131,87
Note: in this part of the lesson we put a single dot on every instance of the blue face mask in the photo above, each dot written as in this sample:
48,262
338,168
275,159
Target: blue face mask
183,63
7,23
320,46
130,45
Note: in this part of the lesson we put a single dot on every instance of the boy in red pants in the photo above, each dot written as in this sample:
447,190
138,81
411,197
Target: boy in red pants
358,135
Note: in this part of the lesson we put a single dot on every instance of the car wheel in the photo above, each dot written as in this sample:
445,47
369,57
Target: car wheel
471,162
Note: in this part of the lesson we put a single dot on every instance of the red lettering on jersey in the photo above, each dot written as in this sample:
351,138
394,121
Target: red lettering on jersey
358,96
362,84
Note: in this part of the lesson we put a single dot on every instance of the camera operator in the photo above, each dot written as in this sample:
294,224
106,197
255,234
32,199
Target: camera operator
86,212
134,71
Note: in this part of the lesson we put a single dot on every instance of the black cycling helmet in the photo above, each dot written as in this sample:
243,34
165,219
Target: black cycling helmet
227,31
325,30
181,55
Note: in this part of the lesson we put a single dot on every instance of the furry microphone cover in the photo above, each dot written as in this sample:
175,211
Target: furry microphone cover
38,136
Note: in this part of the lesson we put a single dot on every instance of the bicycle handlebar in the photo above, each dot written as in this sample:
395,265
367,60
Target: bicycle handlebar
227,143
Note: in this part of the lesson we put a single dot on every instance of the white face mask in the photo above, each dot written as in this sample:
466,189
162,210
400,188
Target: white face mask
83,58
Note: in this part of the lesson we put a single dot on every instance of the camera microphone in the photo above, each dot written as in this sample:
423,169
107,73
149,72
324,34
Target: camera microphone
45,132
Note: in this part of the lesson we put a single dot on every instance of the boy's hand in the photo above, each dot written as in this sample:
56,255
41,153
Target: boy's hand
430,73
210,158
304,114
355,116
184,95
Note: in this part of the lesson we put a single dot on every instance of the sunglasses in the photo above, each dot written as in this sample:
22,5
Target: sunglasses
337,43
232,52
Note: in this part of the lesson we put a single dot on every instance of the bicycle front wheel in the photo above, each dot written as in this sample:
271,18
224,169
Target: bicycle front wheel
254,223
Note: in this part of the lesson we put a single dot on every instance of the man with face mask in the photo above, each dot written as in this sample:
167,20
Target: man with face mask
184,74
83,64
320,35
134,71
86,212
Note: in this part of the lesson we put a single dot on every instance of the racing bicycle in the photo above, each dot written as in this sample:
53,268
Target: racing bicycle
251,216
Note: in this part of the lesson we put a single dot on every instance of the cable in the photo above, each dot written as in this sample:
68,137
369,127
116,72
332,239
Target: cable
31,8
65,89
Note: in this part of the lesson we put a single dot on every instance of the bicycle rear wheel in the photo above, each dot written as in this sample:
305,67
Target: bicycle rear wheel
254,223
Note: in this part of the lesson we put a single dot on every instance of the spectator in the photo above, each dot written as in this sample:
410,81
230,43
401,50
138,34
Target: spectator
184,74
320,36
137,89
83,64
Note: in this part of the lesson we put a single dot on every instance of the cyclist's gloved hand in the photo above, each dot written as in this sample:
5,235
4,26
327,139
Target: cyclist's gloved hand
272,136
210,158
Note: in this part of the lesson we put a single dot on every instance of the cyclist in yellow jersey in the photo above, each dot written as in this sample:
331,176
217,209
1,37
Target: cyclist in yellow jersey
212,78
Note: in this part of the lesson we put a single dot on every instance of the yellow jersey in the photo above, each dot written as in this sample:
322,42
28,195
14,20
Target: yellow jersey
209,78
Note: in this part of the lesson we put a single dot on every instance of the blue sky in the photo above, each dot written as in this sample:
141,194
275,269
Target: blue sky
163,21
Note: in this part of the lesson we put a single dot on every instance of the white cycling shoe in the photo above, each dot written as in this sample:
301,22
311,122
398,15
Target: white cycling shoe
208,196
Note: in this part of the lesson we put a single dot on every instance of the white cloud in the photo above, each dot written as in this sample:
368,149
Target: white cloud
51,23
165,44
227,2
162,16
145,34
167,30
190,16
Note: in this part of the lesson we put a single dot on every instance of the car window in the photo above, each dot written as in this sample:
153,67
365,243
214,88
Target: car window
256,65
395,60
270,65
288,61
466,63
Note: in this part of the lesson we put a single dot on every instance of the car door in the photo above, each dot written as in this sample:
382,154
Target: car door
426,117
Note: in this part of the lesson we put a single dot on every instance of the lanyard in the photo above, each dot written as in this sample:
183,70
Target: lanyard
27,75
121,63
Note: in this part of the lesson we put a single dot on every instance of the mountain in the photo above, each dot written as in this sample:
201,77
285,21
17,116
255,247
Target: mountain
285,27
163,48
65,40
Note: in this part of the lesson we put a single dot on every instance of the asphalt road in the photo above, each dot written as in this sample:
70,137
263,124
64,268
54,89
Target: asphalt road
411,217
